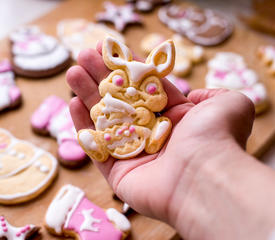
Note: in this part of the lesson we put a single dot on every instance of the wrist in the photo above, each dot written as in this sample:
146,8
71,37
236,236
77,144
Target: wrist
215,192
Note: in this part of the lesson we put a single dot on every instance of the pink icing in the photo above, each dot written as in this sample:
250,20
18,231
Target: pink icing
119,82
106,230
5,66
3,145
132,129
220,74
14,93
151,88
71,151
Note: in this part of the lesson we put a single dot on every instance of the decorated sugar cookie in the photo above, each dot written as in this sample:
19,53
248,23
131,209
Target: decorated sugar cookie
71,213
10,94
9,232
120,16
124,119
229,70
186,55
79,34
267,55
25,170
36,54
203,27
147,5
53,117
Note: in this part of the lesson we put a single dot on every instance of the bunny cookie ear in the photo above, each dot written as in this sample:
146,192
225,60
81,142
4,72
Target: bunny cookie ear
163,58
115,54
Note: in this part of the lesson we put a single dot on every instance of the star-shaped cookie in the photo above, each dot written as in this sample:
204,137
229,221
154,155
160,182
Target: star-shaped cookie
120,16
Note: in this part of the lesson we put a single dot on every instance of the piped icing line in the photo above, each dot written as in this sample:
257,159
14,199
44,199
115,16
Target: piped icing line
50,175
119,219
9,232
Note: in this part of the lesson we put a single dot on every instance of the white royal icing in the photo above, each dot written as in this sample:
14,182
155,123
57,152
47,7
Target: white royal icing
61,205
131,91
87,139
89,220
162,128
119,219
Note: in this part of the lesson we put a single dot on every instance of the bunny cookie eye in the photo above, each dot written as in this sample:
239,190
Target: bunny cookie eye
151,88
118,80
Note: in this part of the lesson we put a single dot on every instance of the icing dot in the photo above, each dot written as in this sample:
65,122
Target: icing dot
18,234
28,227
151,88
37,164
13,152
107,136
5,229
21,156
132,129
44,169
3,224
23,230
127,133
2,218
131,91
117,80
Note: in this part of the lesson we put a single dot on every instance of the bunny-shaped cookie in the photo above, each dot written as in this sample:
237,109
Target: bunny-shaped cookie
124,119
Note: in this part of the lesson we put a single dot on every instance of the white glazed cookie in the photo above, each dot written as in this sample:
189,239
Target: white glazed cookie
267,55
79,34
124,119
25,170
36,54
10,232
229,70
10,94
186,55
72,214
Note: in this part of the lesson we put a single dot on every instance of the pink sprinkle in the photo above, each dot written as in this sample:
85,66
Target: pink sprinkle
107,136
120,131
28,227
119,82
3,224
152,89
18,234
220,74
132,129
2,218
5,229
23,230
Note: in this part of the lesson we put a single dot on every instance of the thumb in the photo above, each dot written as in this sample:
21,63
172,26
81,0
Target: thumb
200,95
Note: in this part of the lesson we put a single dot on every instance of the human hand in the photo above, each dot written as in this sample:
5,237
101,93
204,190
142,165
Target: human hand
207,124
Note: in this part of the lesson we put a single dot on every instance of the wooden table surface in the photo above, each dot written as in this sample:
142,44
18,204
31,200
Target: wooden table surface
88,178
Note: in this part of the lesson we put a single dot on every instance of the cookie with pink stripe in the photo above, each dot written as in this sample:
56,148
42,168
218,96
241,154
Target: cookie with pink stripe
10,232
53,117
35,54
267,55
10,94
72,214
229,70
120,16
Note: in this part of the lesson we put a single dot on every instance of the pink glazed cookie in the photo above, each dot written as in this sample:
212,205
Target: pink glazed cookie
72,214
53,117
9,232
10,95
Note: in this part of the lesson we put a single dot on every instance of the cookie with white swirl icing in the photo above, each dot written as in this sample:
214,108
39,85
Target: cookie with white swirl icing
72,214
124,119
36,54
25,170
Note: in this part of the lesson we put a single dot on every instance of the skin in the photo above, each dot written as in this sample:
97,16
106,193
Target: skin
202,182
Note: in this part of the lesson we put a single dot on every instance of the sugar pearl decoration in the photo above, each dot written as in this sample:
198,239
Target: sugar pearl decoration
151,88
118,80
107,136
127,133
132,129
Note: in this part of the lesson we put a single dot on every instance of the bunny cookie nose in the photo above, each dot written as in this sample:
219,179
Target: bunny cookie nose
131,91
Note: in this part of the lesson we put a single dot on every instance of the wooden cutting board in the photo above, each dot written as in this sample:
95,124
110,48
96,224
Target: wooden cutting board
88,178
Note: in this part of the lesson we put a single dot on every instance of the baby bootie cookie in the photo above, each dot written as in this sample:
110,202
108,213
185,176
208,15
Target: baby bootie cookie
120,16
9,232
25,170
186,54
53,117
10,94
72,214
267,55
79,34
124,119
147,5
229,70
36,54
202,26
